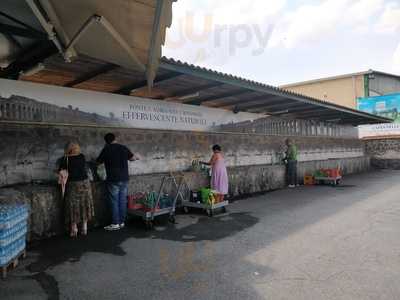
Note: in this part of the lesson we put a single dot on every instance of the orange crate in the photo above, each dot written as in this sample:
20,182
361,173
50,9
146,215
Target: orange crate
309,180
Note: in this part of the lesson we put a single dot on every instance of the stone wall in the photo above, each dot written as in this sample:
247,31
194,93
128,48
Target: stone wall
46,218
28,154
384,152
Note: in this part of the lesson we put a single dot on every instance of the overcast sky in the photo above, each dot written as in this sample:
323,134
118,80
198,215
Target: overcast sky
284,41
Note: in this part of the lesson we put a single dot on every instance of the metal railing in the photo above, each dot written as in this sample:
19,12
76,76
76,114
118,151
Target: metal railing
293,127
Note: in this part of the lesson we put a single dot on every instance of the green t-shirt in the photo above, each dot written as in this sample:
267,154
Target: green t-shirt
292,152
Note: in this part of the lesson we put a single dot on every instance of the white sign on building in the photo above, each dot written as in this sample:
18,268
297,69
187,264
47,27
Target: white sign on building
379,130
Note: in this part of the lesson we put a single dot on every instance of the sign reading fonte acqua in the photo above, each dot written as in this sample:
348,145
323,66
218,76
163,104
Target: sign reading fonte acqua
26,101
163,114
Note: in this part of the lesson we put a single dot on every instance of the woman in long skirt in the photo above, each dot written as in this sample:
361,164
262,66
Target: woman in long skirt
79,207
219,175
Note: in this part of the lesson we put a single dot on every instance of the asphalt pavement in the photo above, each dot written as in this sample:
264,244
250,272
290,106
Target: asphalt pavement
317,242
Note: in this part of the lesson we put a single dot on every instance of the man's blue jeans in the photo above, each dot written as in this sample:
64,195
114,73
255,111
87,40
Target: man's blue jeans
117,197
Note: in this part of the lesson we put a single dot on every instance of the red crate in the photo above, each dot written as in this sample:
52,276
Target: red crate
133,204
327,172
133,201
149,209
331,172
335,173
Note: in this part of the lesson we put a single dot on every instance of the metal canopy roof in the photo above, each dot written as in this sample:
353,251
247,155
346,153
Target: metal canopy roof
100,36
184,83
114,46
128,33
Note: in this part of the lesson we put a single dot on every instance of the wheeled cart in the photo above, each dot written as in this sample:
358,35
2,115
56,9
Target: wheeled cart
332,180
209,208
148,215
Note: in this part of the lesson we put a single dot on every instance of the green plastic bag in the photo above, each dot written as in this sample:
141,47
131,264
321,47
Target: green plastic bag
151,199
205,193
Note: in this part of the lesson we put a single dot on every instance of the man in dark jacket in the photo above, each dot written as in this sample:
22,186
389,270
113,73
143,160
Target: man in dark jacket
291,163
115,158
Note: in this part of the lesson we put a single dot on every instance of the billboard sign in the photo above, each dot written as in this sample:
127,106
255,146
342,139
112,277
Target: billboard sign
32,102
386,106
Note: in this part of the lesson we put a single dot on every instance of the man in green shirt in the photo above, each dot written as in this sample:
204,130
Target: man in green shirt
291,163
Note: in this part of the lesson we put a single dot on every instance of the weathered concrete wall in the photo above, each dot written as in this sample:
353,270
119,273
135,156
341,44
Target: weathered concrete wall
248,180
385,153
46,217
28,155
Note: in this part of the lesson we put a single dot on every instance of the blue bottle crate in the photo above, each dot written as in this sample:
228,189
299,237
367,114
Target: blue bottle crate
13,228
7,236
11,215
11,251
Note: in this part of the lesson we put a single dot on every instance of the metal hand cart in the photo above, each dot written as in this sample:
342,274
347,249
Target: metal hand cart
332,180
148,216
209,208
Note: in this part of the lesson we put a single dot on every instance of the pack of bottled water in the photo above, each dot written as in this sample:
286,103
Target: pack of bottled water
10,252
13,229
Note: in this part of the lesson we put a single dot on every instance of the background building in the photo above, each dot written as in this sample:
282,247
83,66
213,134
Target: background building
347,89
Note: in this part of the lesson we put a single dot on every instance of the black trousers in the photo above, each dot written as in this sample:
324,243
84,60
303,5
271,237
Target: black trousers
292,172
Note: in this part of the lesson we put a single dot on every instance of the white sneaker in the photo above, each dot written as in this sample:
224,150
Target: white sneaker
291,186
122,225
112,227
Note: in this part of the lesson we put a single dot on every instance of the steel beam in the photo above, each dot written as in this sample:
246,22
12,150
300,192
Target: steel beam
303,109
91,75
22,32
267,100
126,90
29,58
244,101
190,91
322,112
316,113
220,96
15,20
280,106
39,12
152,58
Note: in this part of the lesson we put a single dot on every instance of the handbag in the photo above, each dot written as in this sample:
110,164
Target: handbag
101,172
63,178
